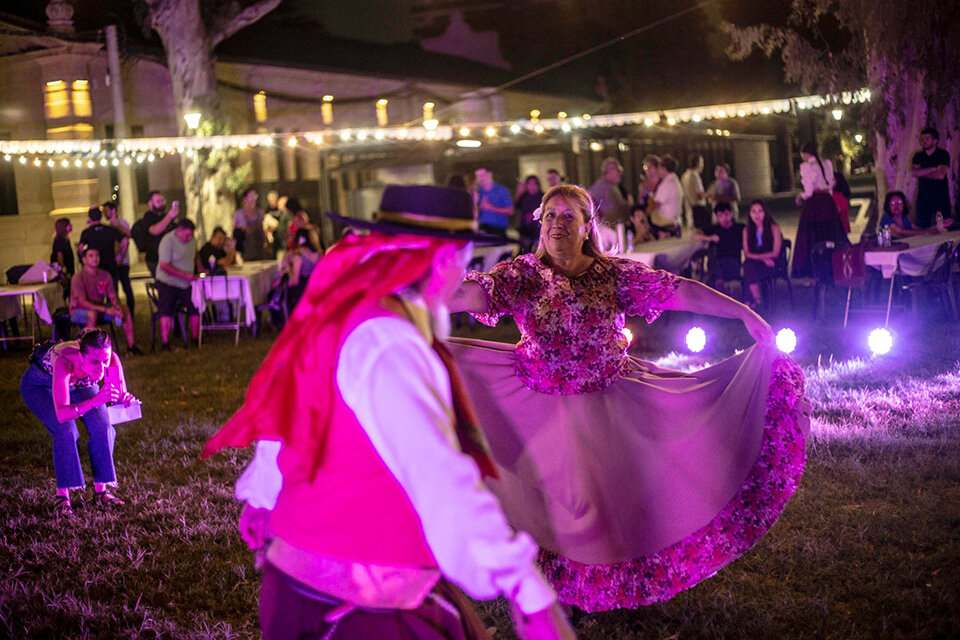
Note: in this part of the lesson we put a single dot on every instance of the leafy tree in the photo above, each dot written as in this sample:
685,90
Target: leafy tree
189,31
906,53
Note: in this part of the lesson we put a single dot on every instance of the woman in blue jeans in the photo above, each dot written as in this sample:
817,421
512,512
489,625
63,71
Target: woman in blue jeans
63,384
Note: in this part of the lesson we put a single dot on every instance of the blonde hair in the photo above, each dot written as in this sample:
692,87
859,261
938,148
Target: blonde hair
579,199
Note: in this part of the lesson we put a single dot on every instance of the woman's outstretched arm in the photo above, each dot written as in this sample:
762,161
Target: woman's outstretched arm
699,298
469,297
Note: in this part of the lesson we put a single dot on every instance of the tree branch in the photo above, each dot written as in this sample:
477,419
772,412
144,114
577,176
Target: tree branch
235,18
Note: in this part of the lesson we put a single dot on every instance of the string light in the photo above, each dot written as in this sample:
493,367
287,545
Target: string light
79,152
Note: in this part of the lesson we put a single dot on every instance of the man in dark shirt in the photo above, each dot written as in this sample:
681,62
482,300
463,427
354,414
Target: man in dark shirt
930,167
150,229
726,238
218,253
104,239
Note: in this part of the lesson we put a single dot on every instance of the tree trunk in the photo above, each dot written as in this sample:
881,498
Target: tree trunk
191,64
905,111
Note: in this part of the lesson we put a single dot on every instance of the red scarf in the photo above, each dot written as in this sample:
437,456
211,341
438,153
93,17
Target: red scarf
292,394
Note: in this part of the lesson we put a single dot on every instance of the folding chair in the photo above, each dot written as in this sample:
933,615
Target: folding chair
221,289
936,280
781,271
850,271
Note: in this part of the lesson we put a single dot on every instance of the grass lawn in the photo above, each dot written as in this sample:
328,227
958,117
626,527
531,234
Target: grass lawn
868,548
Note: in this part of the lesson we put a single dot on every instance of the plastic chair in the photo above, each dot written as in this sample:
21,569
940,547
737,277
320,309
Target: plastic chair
781,271
936,280
214,292
180,318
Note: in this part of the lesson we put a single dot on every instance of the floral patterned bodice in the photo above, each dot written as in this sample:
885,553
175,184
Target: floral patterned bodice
572,327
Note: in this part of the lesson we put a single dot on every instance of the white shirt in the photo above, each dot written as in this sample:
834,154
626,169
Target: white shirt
399,390
669,197
692,188
813,179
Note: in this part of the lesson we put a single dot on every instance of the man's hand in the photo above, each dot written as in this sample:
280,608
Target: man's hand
549,624
255,526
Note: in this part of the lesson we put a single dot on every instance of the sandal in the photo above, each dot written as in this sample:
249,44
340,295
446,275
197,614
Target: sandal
107,499
61,506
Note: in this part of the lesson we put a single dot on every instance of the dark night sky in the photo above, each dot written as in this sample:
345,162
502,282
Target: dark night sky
678,64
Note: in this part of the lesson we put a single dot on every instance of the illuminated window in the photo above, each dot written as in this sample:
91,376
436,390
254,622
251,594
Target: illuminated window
326,109
56,100
428,110
382,112
79,131
81,99
260,107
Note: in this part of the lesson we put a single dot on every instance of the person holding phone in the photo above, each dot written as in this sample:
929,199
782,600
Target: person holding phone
70,380
148,231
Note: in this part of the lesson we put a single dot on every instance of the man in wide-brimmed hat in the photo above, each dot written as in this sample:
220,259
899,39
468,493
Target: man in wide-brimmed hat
375,501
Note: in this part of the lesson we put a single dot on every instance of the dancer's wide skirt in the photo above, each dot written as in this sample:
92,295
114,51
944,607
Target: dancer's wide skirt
644,489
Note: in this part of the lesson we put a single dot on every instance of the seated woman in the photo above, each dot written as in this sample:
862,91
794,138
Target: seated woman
726,240
637,482
298,264
61,385
643,229
762,241
895,215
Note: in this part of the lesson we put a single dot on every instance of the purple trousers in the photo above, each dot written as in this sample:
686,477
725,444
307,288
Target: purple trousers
290,610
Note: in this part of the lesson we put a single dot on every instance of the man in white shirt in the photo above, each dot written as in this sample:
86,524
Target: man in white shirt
375,500
668,198
694,196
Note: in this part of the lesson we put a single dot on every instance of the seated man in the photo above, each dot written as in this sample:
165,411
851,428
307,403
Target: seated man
93,298
175,274
218,253
726,238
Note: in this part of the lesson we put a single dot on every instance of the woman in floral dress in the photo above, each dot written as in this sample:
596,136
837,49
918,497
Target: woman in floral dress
637,482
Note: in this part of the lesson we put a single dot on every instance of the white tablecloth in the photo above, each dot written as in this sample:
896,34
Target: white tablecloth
913,260
672,254
251,280
46,296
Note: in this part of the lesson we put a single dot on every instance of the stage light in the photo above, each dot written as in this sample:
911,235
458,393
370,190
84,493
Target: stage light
696,339
786,340
880,342
628,335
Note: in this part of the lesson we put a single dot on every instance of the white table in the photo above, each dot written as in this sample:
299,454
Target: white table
44,296
672,254
253,279
913,260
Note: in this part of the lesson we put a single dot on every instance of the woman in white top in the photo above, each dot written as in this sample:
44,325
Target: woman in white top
819,217
71,380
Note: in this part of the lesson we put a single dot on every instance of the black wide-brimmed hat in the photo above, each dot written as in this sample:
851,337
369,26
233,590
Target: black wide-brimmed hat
427,211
